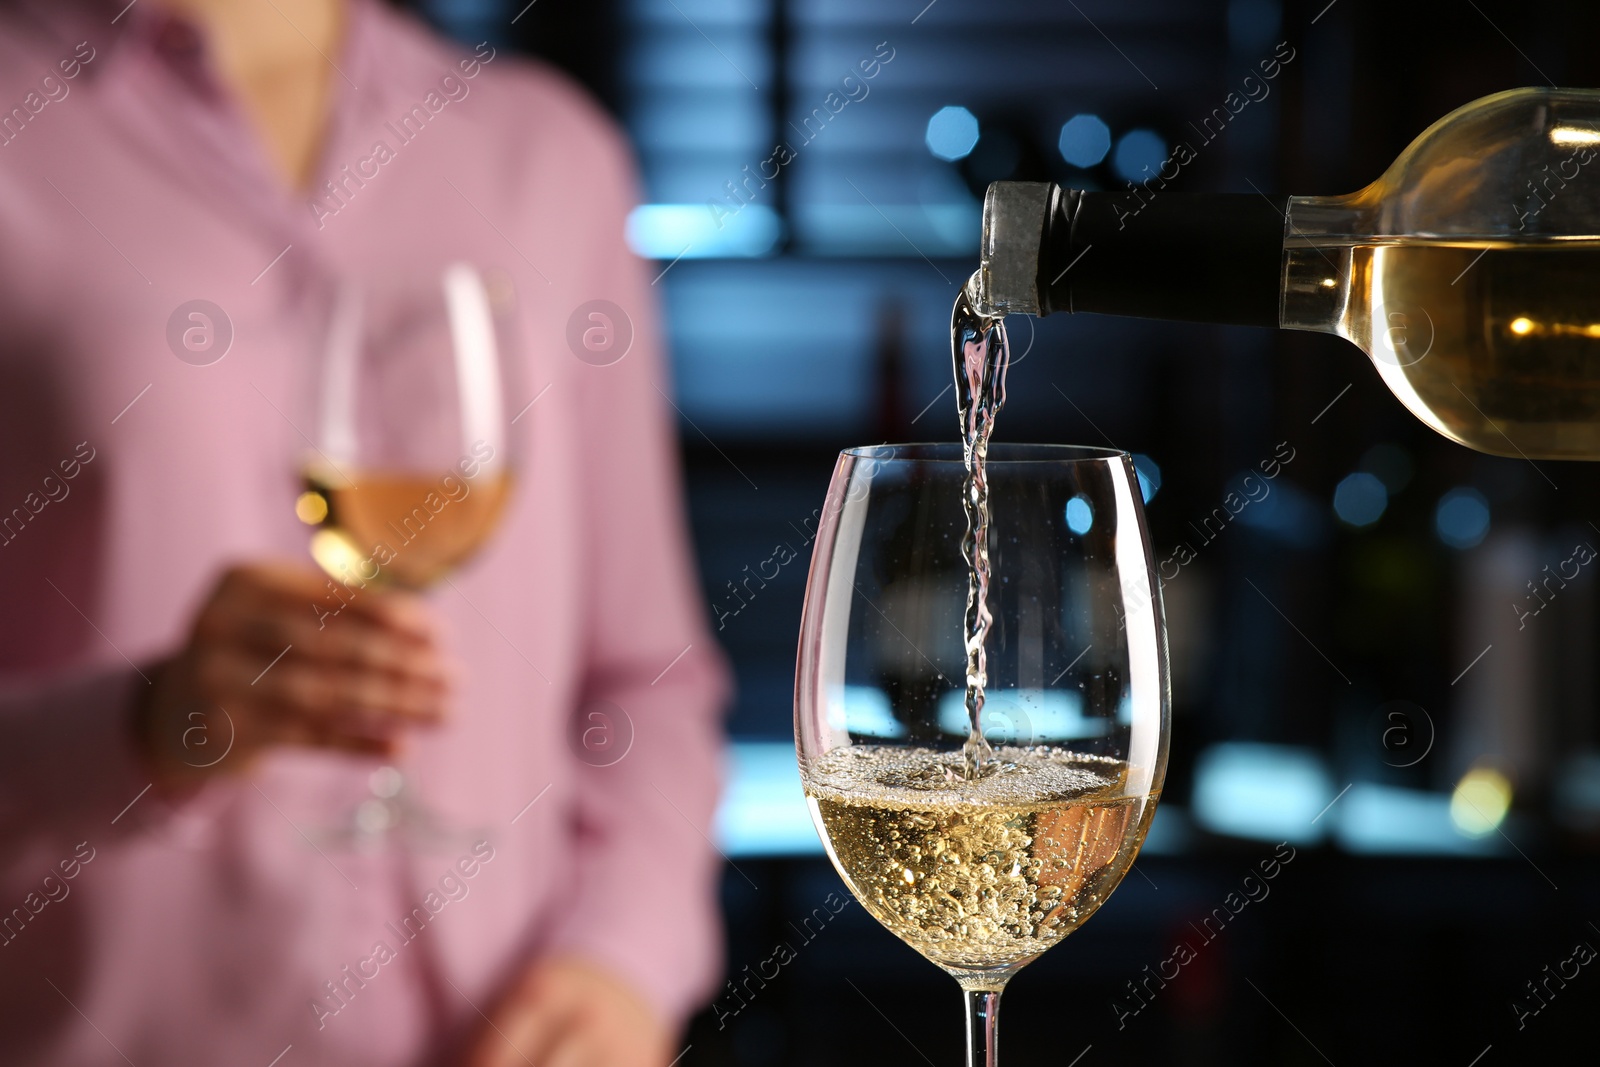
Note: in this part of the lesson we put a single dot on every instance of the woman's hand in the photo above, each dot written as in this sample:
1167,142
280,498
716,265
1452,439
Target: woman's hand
571,1013
263,669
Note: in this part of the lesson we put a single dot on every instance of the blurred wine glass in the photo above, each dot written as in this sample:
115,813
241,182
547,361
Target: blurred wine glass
411,464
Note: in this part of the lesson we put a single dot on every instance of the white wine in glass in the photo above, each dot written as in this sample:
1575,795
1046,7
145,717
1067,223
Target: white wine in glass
371,508
411,466
982,870
980,876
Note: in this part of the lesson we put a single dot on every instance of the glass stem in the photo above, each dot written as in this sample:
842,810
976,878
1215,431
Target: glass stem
983,1027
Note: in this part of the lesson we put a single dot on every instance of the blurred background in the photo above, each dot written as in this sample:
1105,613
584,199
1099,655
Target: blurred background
1371,662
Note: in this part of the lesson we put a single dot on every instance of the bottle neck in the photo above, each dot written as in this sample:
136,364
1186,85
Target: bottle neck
1317,267
1235,259
1196,257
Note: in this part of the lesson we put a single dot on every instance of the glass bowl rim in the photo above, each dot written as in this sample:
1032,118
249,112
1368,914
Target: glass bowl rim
1001,453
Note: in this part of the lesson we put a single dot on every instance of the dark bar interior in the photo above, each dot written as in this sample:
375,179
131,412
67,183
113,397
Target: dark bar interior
1350,639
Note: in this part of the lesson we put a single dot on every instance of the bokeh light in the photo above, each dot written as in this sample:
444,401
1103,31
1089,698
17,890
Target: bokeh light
1360,499
952,131
311,507
1085,140
1480,801
337,554
1080,516
1462,518
1139,155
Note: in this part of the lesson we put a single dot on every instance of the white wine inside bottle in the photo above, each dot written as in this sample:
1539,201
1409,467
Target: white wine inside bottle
1494,344
980,876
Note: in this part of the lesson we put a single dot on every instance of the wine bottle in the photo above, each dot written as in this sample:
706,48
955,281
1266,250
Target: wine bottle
1469,272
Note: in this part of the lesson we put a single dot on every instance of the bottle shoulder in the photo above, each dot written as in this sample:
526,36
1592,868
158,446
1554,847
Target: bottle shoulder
1504,167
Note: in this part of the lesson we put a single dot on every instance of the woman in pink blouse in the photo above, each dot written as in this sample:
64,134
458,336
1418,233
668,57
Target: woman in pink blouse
154,153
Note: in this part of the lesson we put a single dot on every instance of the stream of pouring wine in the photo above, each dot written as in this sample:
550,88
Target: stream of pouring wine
980,353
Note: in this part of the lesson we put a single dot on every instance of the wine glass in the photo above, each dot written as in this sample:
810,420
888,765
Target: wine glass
982,875
411,462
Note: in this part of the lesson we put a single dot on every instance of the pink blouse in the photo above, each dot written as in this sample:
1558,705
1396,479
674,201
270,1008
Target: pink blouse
220,929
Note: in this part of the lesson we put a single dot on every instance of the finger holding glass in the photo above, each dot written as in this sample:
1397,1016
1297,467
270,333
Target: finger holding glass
260,671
